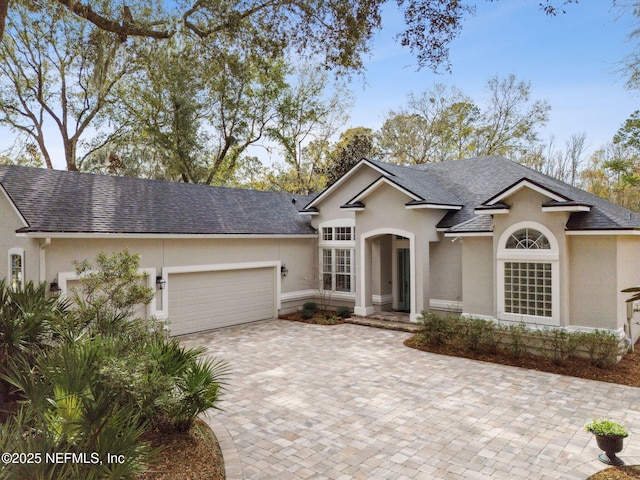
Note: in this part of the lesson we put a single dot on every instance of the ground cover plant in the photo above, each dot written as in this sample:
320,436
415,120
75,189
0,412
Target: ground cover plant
90,379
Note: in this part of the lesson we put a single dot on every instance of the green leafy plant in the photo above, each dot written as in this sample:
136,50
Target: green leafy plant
602,347
557,344
516,338
439,329
606,427
476,334
343,312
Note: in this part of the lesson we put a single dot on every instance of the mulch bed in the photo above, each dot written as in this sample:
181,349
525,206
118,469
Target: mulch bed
193,455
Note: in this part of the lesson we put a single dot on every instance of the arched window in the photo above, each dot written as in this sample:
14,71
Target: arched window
528,274
528,239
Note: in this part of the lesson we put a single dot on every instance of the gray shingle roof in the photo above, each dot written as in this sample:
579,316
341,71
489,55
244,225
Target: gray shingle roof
475,180
61,201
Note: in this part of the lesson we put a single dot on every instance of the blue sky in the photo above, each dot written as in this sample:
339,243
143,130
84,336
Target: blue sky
571,60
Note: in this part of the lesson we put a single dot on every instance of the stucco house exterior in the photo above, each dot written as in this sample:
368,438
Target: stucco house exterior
484,237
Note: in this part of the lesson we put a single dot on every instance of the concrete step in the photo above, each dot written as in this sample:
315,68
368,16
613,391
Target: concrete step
400,326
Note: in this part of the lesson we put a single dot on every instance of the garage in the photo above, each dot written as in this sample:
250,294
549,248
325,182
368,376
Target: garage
204,300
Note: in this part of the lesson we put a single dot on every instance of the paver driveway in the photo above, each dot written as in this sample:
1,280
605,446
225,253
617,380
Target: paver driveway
351,402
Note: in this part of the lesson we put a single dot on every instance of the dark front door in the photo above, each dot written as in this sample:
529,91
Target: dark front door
404,285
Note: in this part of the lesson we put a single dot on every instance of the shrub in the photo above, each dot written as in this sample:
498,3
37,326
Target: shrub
343,312
558,344
311,306
476,333
601,346
604,427
516,337
439,329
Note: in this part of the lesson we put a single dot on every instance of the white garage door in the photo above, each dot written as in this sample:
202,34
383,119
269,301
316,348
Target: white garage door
205,300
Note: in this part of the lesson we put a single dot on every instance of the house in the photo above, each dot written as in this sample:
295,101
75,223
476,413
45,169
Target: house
485,237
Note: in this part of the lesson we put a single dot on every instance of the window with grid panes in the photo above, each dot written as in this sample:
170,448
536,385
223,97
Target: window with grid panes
527,285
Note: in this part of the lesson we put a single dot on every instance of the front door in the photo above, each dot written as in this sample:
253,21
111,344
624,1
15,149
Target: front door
404,285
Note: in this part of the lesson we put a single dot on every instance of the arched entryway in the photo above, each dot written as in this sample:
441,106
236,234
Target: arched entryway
386,277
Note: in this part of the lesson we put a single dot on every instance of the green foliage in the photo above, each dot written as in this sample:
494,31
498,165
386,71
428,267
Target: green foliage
477,334
602,347
636,294
311,306
558,344
605,427
517,338
343,312
98,386
444,124
439,329
111,290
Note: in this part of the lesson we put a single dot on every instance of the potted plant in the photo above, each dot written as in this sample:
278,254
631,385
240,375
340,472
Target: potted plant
609,437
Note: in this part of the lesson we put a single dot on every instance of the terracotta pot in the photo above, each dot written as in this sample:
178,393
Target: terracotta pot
610,444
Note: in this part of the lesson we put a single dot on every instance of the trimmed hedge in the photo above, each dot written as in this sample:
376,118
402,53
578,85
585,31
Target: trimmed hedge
601,347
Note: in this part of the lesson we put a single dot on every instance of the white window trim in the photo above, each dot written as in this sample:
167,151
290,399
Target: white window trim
551,256
150,278
334,245
19,252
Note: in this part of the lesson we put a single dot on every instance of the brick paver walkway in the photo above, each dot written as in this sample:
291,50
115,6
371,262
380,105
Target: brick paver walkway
351,402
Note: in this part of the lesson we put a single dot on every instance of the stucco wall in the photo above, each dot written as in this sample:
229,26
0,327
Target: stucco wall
11,222
592,290
628,274
296,254
446,269
526,206
477,276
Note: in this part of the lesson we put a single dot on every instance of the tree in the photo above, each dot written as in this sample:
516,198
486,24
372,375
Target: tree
353,145
444,124
510,118
306,117
191,111
56,69
339,31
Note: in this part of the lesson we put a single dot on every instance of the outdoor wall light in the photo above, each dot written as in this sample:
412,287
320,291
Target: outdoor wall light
54,288
284,270
160,282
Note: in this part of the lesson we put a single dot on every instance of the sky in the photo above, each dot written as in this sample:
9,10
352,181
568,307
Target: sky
572,60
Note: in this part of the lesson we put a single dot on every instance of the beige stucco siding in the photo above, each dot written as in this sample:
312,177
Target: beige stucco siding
11,222
477,276
628,273
592,291
446,269
526,209
296,254
341,194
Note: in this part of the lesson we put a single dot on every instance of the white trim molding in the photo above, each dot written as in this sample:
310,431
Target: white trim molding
547,256
149,273
602,232
218,267
528,184
448,305
566,208
341,180
364,310
14,208
377,184
434,206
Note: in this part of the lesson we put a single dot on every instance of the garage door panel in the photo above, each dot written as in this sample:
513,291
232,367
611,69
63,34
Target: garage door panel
205,300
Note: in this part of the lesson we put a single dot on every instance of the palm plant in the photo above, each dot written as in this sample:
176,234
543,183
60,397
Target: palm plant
635,291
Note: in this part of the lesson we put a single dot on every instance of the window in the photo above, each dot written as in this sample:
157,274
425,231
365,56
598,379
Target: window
337,269
337,244
16,268
528,275
527,288
528,238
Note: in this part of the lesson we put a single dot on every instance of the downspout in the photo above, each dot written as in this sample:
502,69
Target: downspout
43,259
